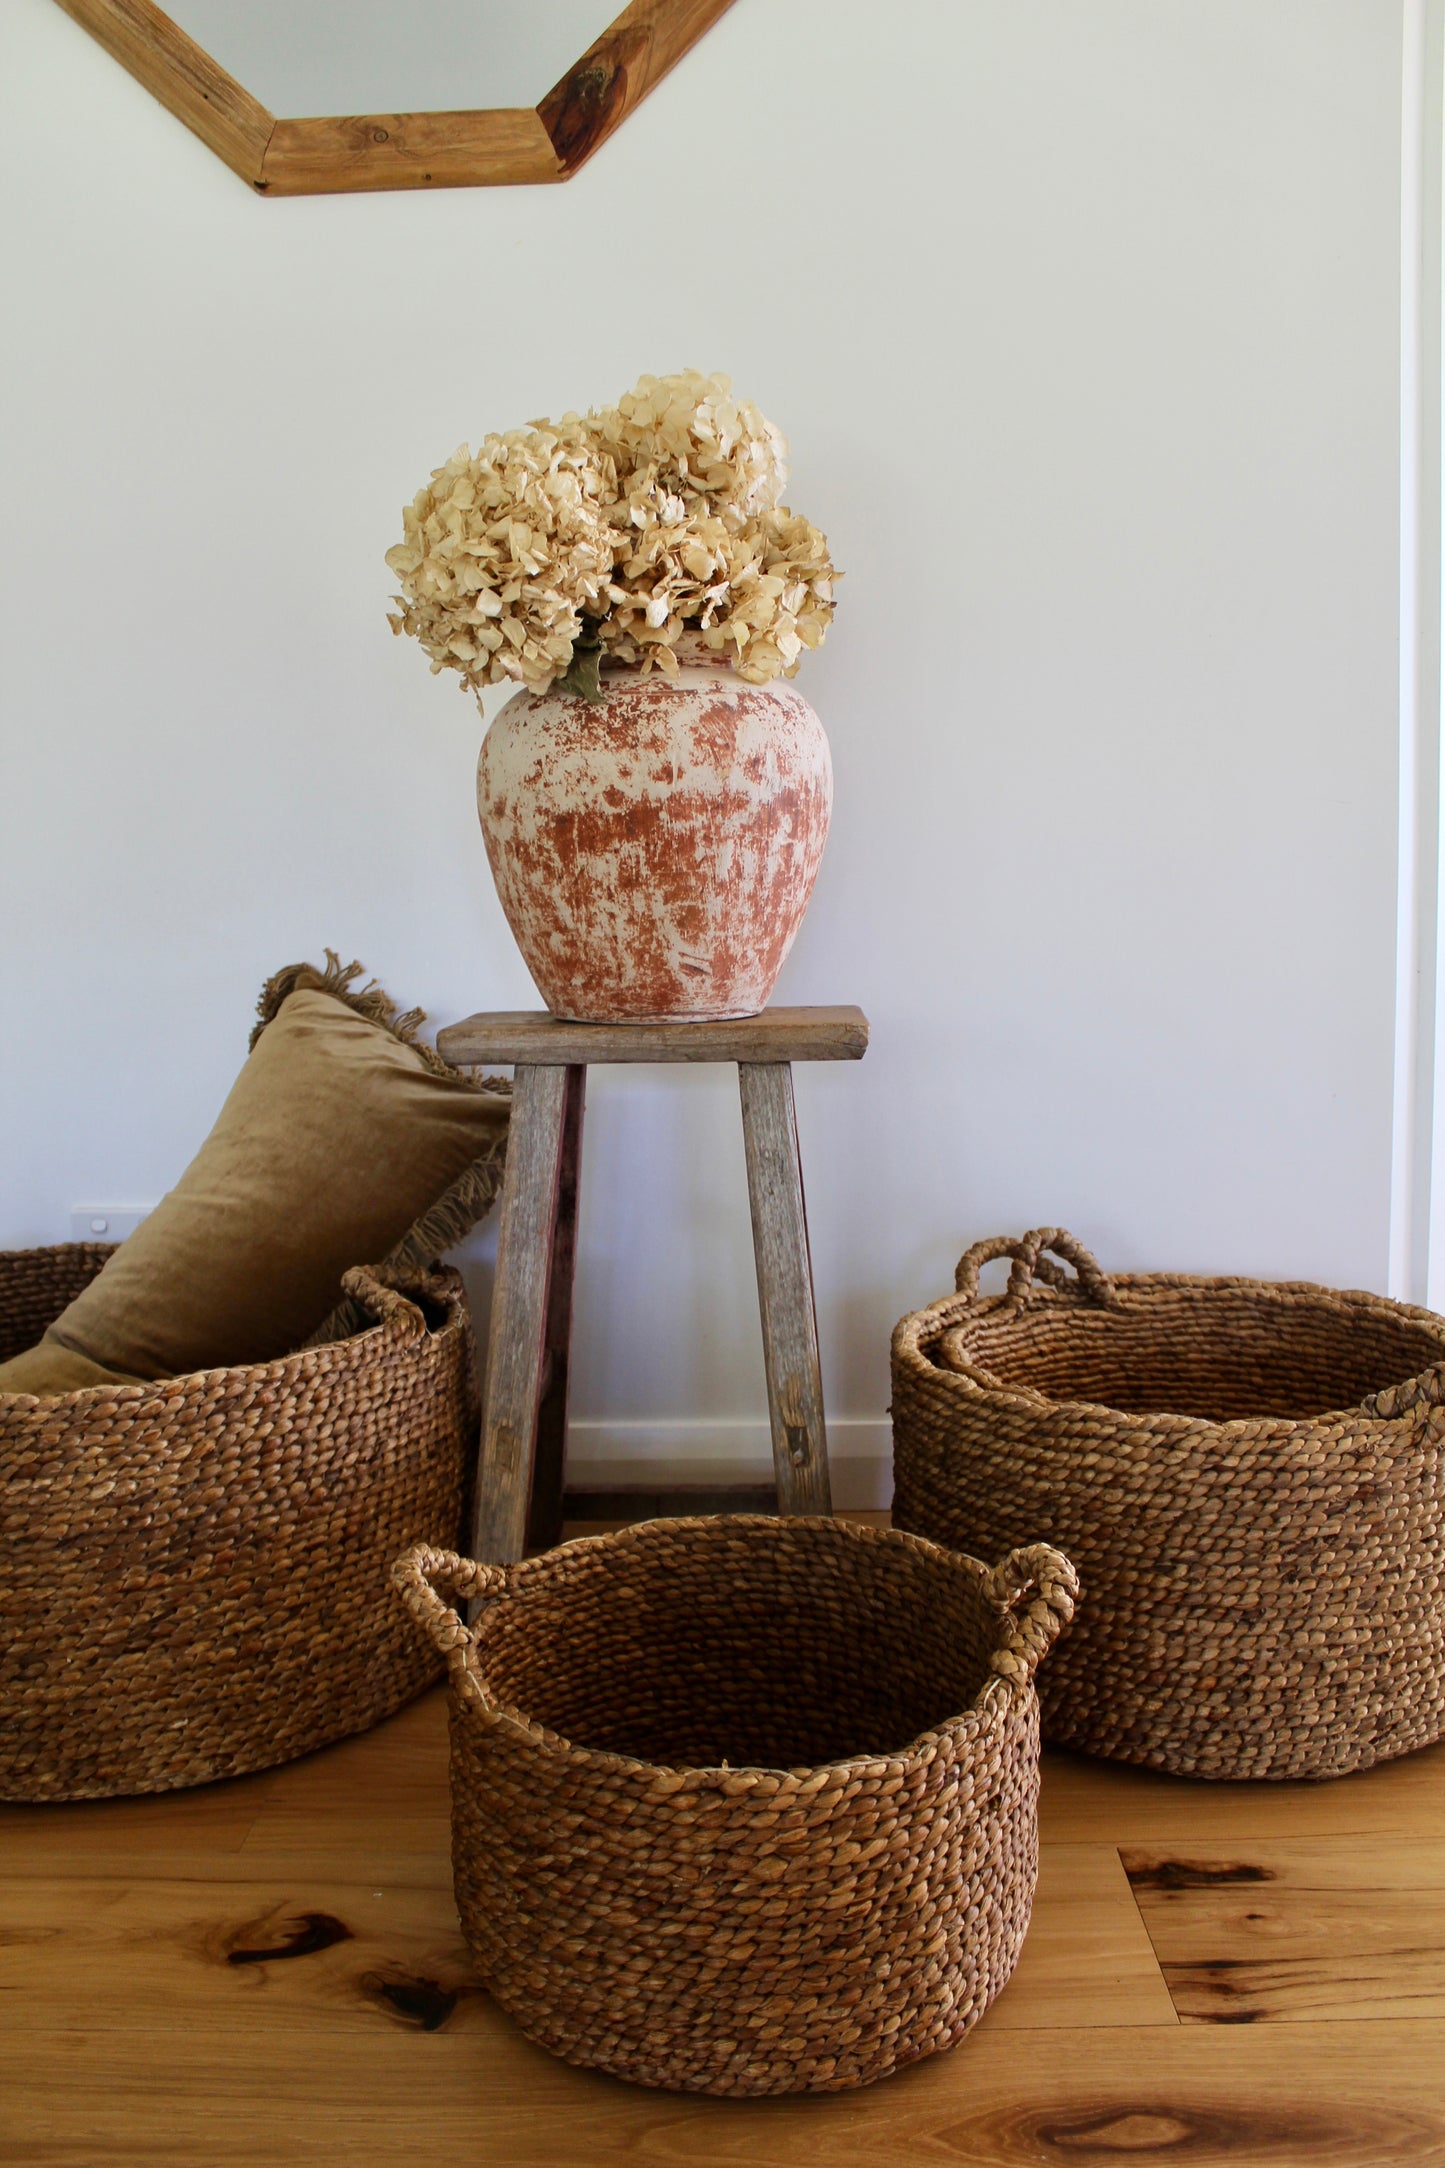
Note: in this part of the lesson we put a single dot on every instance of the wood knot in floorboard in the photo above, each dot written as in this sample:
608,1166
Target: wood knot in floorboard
425,2004
1147,1871
267,1941
1281,2136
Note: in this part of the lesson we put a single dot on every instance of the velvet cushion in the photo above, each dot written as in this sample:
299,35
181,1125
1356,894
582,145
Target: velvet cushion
341,1143
52,1367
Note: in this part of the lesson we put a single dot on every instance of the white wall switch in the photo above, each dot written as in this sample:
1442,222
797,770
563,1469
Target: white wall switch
106,1222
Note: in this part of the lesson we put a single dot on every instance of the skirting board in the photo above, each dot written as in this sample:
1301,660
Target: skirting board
600,1455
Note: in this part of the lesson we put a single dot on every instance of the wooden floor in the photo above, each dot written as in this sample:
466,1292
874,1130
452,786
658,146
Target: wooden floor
270,1971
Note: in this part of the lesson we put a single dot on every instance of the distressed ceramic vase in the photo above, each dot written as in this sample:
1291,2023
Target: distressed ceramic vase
655,851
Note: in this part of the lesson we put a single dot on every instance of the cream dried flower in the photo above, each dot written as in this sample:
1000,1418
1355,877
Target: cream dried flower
643,528
687,437
503,555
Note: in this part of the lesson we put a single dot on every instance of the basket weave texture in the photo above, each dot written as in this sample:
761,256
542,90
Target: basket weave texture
1248,1475
195,1573
799,1847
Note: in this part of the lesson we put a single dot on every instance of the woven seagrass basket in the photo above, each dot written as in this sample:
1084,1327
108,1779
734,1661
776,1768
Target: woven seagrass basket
195,1578
744,1805
1248,1475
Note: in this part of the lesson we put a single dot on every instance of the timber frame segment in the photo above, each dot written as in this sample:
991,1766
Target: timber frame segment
501,148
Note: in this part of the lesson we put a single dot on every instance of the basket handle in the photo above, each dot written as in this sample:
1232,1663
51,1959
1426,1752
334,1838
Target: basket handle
378,1299
1030,1262
1425,1391
1041,1571
415,1578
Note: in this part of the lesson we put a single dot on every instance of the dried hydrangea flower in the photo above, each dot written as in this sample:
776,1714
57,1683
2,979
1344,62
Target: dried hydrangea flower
503,555
646,528
687,437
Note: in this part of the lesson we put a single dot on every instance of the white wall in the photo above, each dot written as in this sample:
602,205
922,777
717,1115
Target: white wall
1083,322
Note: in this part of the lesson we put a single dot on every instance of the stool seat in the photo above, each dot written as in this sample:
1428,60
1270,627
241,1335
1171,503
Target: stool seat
521,1495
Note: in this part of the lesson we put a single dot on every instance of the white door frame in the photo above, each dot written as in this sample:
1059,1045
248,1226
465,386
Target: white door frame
1417,1199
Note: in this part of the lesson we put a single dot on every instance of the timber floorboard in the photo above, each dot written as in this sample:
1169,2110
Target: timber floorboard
270,1971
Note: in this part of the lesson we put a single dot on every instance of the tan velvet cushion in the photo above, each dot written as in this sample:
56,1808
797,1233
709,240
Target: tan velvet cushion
51,1367
337,1138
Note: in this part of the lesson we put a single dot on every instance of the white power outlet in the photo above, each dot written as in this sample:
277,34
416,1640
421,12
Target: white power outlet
106,1222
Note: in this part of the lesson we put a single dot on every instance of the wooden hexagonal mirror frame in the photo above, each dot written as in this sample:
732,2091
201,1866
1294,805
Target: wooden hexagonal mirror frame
402,150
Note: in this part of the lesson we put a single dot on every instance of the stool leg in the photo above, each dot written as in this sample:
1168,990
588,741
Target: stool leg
785,1287
519,1313
549,1458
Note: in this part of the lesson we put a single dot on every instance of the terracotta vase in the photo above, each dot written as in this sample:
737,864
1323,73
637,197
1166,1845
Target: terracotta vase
655,851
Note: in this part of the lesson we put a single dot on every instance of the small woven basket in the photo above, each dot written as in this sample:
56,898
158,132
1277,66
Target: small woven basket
195,1577
1249,1476
798,1847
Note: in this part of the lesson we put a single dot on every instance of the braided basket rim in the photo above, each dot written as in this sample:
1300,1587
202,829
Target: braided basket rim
375,1293
992,1705
920,1329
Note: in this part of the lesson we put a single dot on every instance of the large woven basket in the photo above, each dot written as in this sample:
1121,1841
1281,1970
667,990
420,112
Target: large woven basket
745,1805
195,1572
1248,1475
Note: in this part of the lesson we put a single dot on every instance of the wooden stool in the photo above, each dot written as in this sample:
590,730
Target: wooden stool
521,1469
